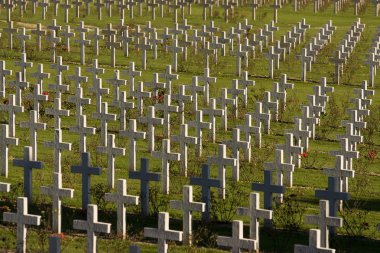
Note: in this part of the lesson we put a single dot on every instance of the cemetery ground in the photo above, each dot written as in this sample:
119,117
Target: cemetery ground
361,213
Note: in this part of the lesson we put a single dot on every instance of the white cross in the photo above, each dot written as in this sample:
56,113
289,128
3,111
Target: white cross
163,233
254,212
237,241
58,146
104,117
187,206
33,126
92,226
166,156
133,136
22,218
111,150
324,222
121,198
55,191
221,160
82,129
12,109
184,140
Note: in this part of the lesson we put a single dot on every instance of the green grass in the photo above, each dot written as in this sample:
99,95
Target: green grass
306,180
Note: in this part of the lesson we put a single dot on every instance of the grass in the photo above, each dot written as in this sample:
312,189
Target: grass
306,180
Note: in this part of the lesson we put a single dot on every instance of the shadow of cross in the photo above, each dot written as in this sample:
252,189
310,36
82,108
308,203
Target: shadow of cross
86,170
28,165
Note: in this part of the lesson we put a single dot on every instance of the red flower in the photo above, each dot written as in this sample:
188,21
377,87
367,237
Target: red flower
61,236
46,93
372,154
304,154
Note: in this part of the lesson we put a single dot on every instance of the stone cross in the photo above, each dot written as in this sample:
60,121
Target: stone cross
111,150
82,129
194,88
235,92
58,87
95,70
199,125
57,112
133,136
235,144
99,92
54,40
181,98
254,212
163,233
184,140
113,44
222,161
10,30
207,80
12,109
40,75
19,85
206,182
86,170
144,46
56,192
280,167
58,147
33,126
324,222
272,57
237,241
239,53
92,226
82,45
309,122
96,37
79,101
338,60
155,85
166,109
124,106
5,141
176,49
104,117
22,218
166,156
145,178
140,94
37,96
66,6
168,76
245,83
224,101
151,120
131,74
187,206
292,154
23,64
67,34
260,116
314,244
249,129
116,82
3,72
121,198
28,165
23,37
58,66
212,113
